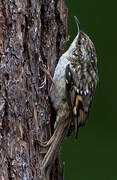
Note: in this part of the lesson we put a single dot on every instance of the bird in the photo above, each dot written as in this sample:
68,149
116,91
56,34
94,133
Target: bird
75,81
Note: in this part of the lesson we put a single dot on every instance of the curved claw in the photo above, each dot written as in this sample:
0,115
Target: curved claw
43,83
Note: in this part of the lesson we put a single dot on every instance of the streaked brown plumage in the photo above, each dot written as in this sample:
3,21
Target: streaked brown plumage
75,81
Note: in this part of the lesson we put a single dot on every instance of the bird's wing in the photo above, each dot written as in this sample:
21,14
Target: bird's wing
77,97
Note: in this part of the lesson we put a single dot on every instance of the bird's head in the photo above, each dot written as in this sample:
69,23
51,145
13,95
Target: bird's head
82,48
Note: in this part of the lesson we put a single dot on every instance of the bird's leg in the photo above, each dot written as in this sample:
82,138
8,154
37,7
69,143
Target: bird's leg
46,71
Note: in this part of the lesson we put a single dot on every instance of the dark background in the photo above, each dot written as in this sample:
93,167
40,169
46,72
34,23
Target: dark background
94,155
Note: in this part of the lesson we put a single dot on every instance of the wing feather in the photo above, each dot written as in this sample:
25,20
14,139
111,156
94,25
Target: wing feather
75,99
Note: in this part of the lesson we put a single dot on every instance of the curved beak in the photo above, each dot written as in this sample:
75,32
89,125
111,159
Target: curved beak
78,25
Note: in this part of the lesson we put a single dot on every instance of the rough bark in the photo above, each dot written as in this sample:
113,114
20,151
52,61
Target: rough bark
30,31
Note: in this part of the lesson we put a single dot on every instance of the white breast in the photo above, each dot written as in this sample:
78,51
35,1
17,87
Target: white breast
57,92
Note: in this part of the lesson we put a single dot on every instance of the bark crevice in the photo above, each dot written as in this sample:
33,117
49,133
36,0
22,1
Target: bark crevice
30,31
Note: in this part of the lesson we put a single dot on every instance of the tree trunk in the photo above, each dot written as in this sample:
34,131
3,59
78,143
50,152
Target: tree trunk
32,37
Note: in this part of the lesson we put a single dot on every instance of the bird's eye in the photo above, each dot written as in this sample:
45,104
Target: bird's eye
79,42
